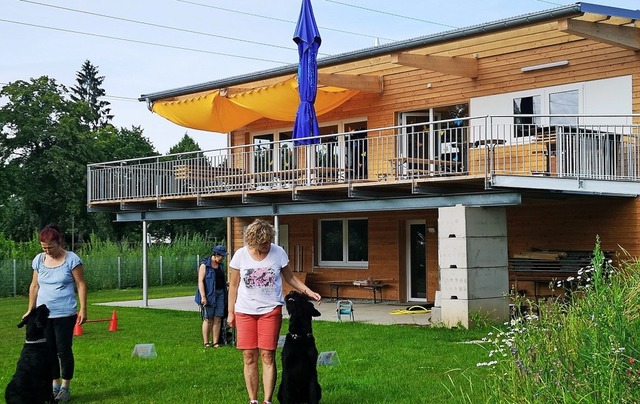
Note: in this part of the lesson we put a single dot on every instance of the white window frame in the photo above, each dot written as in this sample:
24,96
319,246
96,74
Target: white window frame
345,245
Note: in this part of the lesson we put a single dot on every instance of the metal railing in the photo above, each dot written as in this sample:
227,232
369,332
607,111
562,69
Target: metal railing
603,147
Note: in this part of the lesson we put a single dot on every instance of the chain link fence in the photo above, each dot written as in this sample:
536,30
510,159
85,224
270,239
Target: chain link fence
101,273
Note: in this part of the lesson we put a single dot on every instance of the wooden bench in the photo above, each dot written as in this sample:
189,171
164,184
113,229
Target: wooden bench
375,287
539,280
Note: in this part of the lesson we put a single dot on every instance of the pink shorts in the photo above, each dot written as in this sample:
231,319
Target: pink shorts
259,331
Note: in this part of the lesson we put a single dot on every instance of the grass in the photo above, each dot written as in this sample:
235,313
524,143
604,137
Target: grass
378,363
580,349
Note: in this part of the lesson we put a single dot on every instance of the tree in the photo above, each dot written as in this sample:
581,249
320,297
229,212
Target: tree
186,144
44,150
45,146
89,89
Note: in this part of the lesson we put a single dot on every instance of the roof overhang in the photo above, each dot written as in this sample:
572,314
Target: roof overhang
364,70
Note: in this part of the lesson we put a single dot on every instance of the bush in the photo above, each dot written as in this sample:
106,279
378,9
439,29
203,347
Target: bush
580,349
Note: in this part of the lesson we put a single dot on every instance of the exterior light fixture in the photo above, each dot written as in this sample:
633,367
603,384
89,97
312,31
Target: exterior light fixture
544,66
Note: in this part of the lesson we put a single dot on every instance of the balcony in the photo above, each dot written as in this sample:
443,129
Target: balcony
582,154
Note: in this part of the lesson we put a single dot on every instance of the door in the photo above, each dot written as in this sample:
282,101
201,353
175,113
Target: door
416,251
418,144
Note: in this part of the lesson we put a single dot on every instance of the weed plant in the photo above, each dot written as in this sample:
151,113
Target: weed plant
581,348
377,363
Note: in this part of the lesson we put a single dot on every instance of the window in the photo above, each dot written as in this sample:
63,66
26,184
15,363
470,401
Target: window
287,158
328,151
526,125
263,153
344,242
564,103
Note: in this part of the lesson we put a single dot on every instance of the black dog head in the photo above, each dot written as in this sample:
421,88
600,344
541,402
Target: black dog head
301,311
35,321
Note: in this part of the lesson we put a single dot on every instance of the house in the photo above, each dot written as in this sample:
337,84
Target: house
451,168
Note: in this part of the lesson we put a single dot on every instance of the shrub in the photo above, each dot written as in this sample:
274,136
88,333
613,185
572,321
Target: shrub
580,349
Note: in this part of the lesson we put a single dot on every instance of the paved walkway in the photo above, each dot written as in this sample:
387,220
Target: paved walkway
364,311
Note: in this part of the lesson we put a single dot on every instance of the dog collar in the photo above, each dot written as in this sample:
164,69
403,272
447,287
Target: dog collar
296,336
40,341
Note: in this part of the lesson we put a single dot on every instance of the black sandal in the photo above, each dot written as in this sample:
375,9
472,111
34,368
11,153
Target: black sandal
208,345
216,345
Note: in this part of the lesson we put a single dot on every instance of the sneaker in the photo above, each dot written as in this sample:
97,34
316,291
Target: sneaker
63,396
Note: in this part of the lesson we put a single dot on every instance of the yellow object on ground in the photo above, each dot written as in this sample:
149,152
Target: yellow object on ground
412,310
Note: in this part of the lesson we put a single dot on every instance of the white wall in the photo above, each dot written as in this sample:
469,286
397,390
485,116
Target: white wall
605,96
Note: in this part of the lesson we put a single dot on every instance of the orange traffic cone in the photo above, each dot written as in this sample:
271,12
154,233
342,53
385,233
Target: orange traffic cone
113,325
77,330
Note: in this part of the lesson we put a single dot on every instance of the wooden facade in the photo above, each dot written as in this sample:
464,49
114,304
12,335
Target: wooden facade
590,44
553,224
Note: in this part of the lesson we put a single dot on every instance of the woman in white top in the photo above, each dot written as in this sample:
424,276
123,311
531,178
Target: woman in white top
56,274
255,303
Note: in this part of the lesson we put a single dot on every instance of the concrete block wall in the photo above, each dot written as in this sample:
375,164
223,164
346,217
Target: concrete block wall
473,264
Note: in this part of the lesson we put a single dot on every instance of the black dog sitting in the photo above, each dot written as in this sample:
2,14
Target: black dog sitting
299,355
31,383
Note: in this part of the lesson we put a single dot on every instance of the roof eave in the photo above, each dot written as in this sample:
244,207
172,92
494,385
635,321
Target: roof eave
405,45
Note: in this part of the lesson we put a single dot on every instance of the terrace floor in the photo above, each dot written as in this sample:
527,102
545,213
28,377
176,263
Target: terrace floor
364,311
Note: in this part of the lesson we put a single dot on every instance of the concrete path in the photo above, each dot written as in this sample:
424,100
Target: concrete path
364,311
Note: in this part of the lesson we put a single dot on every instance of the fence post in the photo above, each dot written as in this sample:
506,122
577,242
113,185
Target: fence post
15,279
161,270
119,279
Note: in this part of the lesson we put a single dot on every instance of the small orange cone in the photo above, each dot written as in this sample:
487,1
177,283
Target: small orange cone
113,325
77,330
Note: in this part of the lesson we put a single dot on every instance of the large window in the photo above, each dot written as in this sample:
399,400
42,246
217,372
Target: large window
564,103
263,153
343,242
526,125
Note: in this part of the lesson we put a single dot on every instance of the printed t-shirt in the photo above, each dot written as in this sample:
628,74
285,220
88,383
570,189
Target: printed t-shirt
260,288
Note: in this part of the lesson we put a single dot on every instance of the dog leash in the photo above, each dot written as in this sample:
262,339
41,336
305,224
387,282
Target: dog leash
39,341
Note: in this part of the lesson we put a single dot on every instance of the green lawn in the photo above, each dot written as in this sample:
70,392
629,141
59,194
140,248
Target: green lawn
378,363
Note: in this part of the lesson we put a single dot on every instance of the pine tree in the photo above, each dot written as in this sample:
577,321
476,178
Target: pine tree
89,89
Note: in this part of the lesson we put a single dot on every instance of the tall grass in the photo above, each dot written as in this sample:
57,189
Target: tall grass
377,363
580,348
113,265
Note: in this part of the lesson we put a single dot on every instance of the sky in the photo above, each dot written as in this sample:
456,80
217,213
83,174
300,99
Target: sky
144,46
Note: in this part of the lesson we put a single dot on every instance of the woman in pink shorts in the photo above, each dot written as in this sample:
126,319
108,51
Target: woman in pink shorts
255,303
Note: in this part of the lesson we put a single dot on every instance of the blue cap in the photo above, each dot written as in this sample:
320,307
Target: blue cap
220,250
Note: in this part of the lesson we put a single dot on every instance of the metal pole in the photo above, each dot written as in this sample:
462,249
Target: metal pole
15,279
161,270
145,297
119,272
276,224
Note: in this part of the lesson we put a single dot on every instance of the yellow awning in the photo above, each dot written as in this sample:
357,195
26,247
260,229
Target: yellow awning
216,113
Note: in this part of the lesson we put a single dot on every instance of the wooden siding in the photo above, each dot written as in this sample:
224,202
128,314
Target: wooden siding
570,223
557,225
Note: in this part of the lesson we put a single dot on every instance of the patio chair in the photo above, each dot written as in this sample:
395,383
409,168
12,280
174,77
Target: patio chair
345,308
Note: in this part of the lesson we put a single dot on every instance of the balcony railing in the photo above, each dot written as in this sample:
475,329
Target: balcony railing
586,147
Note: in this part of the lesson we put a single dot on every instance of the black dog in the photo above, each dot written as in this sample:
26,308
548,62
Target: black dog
31,384
299,355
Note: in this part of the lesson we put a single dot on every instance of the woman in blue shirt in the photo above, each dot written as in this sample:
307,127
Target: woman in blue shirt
56,274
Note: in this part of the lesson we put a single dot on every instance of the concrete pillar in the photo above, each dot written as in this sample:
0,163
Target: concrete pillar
473,265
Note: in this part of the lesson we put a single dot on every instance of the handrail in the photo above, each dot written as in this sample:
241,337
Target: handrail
603,147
